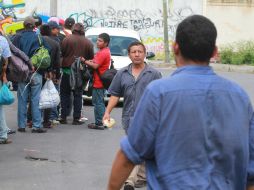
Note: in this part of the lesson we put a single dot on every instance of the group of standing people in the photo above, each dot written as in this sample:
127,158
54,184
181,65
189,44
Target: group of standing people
64,46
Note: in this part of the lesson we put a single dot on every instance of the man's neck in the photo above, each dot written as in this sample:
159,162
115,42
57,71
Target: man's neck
180,62
137,69
138,66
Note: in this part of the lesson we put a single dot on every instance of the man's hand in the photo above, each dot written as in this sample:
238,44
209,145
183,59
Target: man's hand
82,59
106,116
250,187
49,75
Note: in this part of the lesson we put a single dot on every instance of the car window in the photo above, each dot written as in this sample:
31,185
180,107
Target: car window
118,44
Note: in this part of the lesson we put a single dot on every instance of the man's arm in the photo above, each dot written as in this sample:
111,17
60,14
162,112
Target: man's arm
4,68
250,187
113,100
120,171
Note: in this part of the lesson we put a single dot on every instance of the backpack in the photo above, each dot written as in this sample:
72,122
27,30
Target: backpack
17,70
18,67
41,58
107,76
79,75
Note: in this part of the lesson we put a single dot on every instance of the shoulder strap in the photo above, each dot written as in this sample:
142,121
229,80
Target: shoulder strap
40,42
112,64
98,72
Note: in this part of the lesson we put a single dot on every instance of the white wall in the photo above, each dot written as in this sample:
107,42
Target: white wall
144,16
233,23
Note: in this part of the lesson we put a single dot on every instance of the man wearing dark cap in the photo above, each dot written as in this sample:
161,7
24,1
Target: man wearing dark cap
55,30
66,28
74,45
28,42
68,24
51,115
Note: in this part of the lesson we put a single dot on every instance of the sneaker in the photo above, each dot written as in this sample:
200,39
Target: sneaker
39,130
128,186
22,130
94,126
55,122
83,118
5,141
63,121
10,131
77,122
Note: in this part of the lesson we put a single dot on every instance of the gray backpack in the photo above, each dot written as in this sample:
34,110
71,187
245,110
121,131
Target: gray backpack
19,67
78,77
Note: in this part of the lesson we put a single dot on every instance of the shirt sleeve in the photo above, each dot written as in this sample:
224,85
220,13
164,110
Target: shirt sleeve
115,86
140,142
251,149
6,48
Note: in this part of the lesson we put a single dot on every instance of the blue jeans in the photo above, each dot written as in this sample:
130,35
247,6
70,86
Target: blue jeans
34,89
3,125
99,105
54,111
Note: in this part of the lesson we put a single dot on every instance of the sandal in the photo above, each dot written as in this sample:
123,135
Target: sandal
94,126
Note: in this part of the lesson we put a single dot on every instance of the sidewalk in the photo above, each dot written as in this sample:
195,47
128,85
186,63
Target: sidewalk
215,66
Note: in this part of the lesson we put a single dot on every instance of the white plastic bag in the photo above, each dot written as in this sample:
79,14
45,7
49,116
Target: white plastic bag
49,97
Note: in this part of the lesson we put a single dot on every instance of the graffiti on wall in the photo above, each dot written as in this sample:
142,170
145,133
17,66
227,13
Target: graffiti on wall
149,25
11,12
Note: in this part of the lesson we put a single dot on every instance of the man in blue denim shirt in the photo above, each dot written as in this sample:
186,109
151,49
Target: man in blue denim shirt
194,130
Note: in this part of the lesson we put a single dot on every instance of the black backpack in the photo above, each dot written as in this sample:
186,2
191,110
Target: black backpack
108,75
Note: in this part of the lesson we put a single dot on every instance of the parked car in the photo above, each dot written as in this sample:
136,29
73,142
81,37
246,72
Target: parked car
120,39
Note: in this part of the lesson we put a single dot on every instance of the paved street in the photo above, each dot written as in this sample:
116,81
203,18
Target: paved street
73,157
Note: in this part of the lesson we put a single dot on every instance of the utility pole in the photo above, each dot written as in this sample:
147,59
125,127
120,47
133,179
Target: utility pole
165,21
53,8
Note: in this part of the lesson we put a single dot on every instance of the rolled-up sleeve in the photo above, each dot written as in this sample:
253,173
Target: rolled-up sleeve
129,151
140,143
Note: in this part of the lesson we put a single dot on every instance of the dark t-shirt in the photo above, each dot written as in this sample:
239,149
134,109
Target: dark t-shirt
54,55
74,46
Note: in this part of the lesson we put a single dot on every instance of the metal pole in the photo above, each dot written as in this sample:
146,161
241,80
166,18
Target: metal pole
165,21
53,8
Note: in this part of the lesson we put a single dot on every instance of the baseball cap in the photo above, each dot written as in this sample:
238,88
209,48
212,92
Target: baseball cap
53,25
69,22
54,19
29,21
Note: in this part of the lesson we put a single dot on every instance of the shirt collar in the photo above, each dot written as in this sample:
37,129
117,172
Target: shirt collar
146,69
194,69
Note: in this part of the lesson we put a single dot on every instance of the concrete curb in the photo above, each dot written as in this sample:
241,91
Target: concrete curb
215,66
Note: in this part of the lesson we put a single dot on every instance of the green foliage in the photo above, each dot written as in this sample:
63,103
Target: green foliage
238,53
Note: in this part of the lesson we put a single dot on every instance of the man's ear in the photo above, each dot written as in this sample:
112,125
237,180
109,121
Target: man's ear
175,48
215,52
